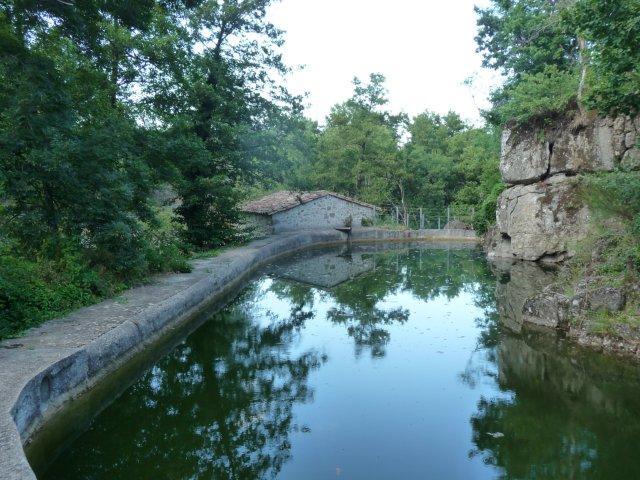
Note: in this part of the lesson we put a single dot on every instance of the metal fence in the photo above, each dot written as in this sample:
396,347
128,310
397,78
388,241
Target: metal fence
425,217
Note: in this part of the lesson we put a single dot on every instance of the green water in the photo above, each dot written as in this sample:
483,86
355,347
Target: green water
369,365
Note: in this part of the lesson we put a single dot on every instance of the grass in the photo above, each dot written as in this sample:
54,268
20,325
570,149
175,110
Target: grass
387,223
607,323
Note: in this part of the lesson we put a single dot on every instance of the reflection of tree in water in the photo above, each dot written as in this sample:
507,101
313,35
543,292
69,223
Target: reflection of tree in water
364,326
220,406
426,273
564,413
301,298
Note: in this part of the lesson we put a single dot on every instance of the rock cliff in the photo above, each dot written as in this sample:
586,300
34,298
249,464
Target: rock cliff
540,215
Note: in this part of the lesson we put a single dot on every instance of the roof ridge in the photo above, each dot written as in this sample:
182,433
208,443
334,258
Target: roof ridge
283,200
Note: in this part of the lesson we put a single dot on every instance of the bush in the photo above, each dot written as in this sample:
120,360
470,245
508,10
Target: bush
165,248
485,214
538,97
614,197
32,291
35,287
613,193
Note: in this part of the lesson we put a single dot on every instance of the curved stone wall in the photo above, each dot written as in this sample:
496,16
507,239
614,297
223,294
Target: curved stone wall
42,372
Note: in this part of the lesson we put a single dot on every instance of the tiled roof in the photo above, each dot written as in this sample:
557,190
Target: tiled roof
285,200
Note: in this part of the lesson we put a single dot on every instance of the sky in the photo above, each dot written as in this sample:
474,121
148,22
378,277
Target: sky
425,49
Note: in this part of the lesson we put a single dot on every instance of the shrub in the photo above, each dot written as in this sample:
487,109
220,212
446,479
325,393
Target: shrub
485,214
165,247
35,290
614,193
538,97
36,287
615,197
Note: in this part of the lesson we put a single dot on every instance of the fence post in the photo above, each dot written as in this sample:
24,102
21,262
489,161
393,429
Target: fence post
421,220
397,215
438,222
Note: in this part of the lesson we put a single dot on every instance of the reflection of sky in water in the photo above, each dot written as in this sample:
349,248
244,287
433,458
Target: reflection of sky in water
395,416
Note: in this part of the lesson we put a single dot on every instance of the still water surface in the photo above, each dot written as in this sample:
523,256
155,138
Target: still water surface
369,364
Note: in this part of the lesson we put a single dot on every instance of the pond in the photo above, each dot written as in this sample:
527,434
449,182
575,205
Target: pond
367,363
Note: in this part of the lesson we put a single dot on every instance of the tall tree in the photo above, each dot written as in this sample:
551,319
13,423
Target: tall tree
358,149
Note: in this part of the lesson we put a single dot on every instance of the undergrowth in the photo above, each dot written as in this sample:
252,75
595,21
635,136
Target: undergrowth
36,286
609,255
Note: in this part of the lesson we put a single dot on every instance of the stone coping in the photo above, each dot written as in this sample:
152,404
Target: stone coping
51,366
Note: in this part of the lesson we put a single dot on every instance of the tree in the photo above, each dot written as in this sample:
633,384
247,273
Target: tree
105,103
226,91
526,40
72,167
557,56
358,149
612,33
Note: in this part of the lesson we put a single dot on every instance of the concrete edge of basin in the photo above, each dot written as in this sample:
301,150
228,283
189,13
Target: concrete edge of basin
37,394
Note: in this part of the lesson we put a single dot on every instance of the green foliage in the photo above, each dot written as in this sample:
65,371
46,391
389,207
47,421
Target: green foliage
538,97
613,32
165,251
614,193
104,103
614,197
553,52
521,37
358,149
604,323
34,290
443,161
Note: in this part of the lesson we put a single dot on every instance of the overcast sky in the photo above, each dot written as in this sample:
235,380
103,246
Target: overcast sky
425,48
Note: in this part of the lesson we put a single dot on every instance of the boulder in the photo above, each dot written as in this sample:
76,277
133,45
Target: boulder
631,159
549,308
585,149
590,297
553,308
540,221
540,216
524,157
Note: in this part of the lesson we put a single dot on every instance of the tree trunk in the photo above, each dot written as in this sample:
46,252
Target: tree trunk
405,213
582,59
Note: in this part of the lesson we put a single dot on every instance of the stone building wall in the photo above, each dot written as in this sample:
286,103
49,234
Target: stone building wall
259,225
324,212
326,270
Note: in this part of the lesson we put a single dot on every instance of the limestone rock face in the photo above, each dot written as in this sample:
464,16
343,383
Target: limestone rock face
588,145
524,157
631,159
589,149
540,216
540,221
